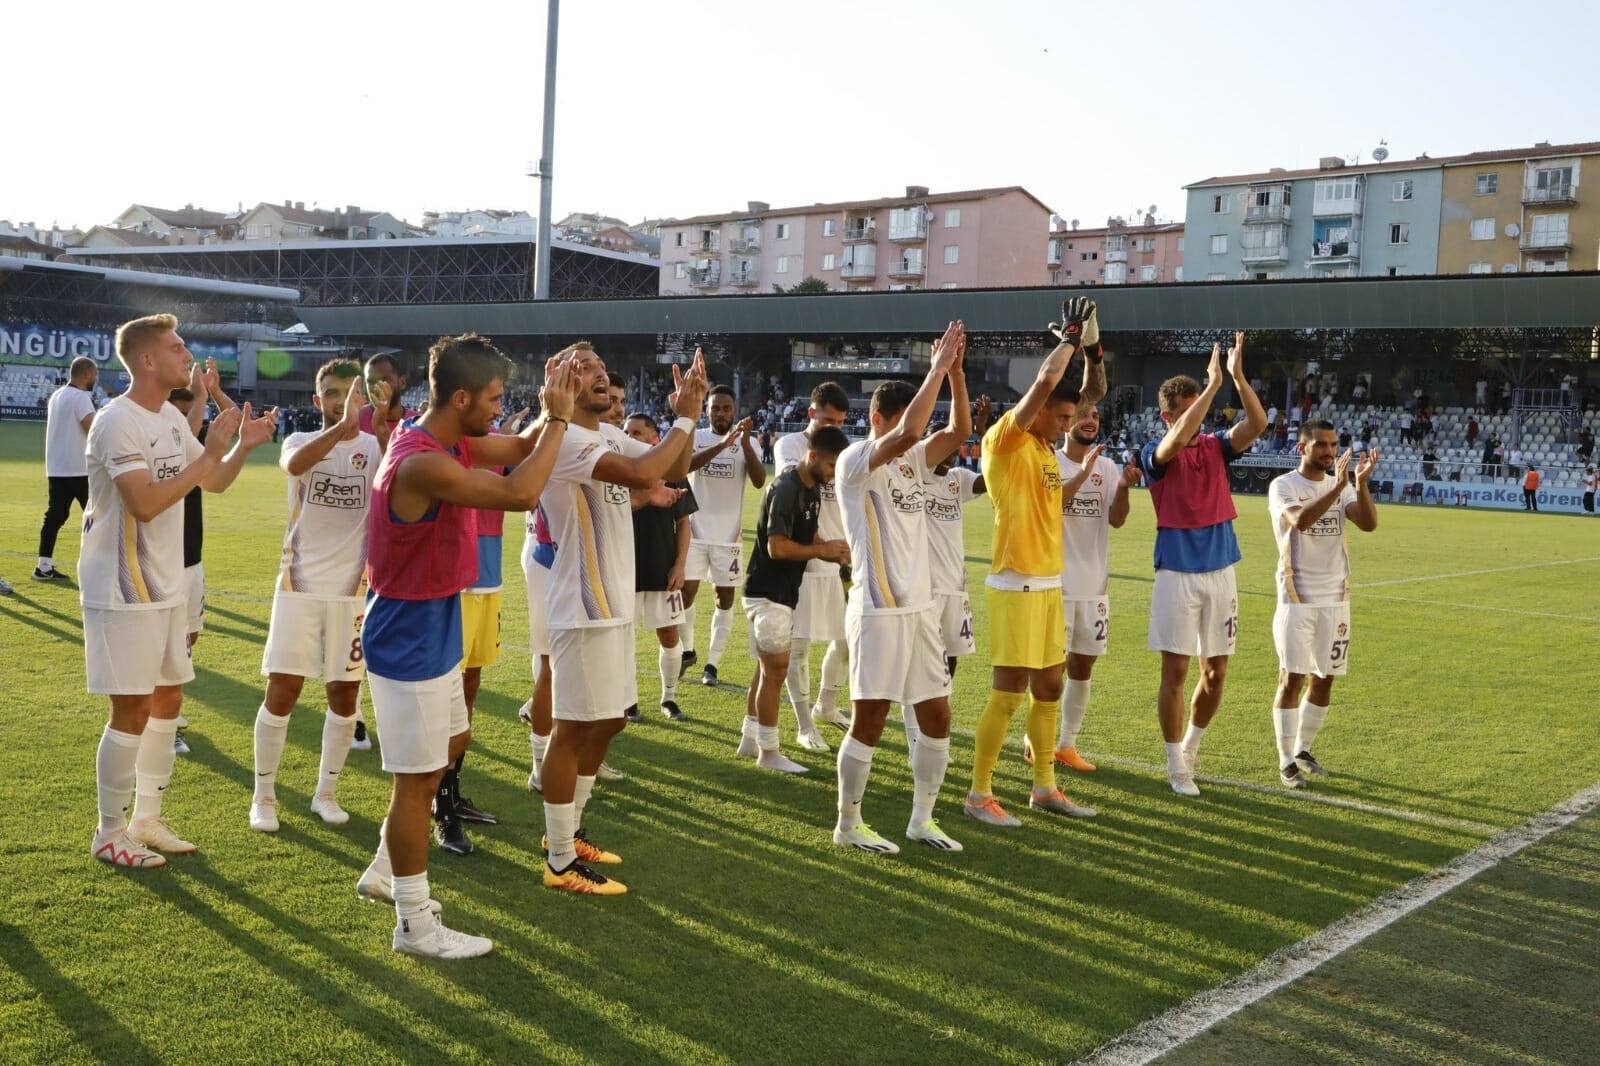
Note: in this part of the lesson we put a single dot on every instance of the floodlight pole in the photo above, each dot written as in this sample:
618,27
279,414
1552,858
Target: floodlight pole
541,261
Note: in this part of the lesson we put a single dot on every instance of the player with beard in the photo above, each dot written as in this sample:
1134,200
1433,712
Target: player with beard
422,552
591,602
724,460
819,613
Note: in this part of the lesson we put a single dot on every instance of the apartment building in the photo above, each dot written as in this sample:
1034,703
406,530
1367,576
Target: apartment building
1120,253
1520,210
982,238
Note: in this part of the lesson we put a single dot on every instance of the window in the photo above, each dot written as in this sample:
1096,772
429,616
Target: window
1394,272
948,285
1483,229
252,230
1219,204
827,261
827,227
1547,231
1480,267
952,218
1177,274
952,253
680,270
781,265
1180,244
1488,185
1219,244
1401,190
1341,189
1147,273
1116,273
1147,244
1088,257
1054,253
1554,179
1547,266
783,231
1216,277
1400,233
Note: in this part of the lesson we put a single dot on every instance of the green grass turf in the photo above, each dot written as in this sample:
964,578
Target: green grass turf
748,936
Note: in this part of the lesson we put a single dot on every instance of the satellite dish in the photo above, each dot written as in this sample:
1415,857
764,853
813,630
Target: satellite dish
1512,229
1380,153
1074,223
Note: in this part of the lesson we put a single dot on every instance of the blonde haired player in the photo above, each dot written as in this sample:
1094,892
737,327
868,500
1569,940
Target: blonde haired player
1311,625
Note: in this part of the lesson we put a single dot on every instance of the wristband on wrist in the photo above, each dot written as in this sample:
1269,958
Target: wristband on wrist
553,418
1094,352
684,425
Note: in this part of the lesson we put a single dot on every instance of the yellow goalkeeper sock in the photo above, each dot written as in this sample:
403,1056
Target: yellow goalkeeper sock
990,735
1042,719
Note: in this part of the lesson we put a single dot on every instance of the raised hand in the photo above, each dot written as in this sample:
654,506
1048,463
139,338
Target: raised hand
211,379
1341,468
515,422
981,422
560,390
254,431
948,349
1236,357
378,391
1092,456
1074,313
1214,368
222,430
1365,467
739,434
690,392
354,401
1132,475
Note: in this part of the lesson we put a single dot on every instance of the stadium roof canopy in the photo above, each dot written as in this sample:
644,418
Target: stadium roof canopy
1523,301
57,270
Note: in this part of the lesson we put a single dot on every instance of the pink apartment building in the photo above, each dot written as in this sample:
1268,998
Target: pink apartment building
1118,254
984,238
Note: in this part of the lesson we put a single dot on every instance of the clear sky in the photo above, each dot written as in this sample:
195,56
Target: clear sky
681,107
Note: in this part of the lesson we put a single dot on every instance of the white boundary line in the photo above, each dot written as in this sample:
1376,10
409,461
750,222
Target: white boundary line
1309,796
1151,1039
1475,573
1484,607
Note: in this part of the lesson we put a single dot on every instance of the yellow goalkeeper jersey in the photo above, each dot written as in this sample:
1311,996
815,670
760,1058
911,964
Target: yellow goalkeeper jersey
1023,481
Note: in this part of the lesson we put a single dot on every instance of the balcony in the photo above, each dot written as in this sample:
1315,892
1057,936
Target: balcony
910,231
1277,253
707,247
1257,213
849,269
1335,251
1053,257
1337,207
864,231
1559,241
907,268
1550,195
706,277
745,278
1116,255
745,245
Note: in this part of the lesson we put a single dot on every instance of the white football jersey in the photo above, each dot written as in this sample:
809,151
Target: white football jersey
886,526
1086,528
1313,567
125,564
591,521
719,491
787,454
325,546
943,498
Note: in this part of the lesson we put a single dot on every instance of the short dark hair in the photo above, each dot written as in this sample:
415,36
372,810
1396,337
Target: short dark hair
180,394
339,367
830,394
641,416
467,362
720,390
616,380
827,440
82,365
1066,391
892,397
1315,426
386,359
1176,388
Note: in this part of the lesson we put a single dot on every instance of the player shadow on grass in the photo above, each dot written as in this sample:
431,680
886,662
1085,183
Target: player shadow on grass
9,607
76,1008
212,610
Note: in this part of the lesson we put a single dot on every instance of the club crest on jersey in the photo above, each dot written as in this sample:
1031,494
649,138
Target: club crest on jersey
1233,606
359,460
904,468
1100,608
1096,478
1343,629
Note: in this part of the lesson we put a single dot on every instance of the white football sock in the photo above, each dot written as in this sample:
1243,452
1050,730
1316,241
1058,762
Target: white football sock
270,733
1074,704
1191,740
46,563
1283,721
410,897
153,767
908,714
380,858
1174,756
798,680
1311,717
559,823
114,776
669,662
336,735
540,745
721,630
766,736
835,668
582,789
929,760
686,630
855,766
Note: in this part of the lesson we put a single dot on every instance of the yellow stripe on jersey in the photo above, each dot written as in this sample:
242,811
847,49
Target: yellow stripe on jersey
1023,482
1287,558
130,552
287,561
880,574
595,589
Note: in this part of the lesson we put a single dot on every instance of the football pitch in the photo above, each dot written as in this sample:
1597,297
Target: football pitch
749,937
